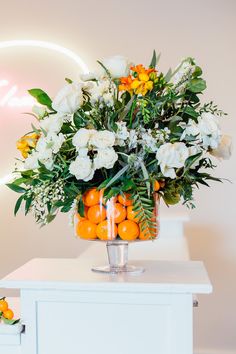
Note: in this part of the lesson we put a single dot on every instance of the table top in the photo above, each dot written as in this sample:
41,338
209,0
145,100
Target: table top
76,274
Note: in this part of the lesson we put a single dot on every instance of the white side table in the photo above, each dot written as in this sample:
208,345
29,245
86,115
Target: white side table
66,308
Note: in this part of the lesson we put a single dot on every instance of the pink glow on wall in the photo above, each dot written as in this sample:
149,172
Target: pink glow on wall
9,96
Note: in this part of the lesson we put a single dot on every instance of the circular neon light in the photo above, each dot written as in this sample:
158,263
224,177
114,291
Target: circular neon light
46,45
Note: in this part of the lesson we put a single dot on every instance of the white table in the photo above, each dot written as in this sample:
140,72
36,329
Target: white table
66,308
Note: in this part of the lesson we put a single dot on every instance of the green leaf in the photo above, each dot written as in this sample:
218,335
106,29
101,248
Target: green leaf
154,60
197,85
10,322
50,218
117,176
66,128
168,75
81,207
191,111
68,80
41,97
197,72
79,120
191,160
28,204
18,204
16,188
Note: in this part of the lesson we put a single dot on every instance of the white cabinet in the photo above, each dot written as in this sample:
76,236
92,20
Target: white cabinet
66,308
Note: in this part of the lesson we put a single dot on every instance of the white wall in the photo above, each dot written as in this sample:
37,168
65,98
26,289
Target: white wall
204,29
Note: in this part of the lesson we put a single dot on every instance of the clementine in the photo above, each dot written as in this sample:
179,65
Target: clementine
97,213
131,214
3,305
116,212
128,230
8,314
106,230
125,199
86,230
92,197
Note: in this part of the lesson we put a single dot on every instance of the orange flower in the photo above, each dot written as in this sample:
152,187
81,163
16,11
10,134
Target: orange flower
26,143
140,82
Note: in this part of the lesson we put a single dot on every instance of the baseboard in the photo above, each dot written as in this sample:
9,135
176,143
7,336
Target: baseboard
213,351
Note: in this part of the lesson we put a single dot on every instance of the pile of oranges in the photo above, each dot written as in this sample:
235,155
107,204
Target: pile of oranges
5,311
109,220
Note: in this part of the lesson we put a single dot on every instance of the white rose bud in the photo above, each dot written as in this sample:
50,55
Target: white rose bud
82,168
103,139
105,158
69,99
224,149
118,66
172,156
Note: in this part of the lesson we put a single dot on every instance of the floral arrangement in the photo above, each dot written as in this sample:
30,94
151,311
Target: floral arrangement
123,129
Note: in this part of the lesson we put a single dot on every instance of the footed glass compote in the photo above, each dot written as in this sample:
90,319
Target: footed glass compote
118,222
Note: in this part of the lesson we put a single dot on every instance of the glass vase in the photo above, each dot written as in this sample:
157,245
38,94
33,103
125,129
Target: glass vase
118,222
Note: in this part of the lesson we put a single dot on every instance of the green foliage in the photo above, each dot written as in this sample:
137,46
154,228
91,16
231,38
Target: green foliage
41,97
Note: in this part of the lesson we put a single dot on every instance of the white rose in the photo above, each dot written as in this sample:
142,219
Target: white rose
171,156
103,139
53,123
210,133
224,150
69,98
82,137
118,66
105,158
82,168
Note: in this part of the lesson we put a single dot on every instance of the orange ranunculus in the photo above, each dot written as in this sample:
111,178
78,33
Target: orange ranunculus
26,143
140,82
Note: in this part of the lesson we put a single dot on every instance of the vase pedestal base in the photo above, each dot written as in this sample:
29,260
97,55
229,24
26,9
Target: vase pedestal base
117,252
130,269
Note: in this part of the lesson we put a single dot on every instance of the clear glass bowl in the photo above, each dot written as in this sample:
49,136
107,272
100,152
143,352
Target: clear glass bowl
117,222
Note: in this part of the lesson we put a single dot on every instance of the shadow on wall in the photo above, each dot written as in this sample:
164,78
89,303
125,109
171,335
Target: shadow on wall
208,244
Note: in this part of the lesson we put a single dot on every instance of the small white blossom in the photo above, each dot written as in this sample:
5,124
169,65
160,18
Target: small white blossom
122,133
133,139
40,111
149,142
210,133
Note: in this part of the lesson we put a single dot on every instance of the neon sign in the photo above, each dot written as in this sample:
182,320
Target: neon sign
9,97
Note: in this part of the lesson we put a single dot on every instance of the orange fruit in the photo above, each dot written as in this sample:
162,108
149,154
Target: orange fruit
106,230
3,305
97,213
125,199
156,186
131,214
116,212
86,230
147,234
128,230
8,314
92,197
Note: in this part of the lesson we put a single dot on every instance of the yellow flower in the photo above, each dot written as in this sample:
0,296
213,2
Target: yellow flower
26,143
140,82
